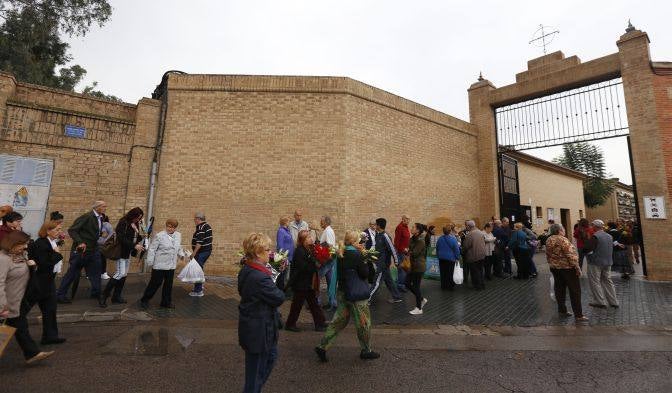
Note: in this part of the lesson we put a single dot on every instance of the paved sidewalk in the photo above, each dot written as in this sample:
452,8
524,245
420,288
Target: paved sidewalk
505,302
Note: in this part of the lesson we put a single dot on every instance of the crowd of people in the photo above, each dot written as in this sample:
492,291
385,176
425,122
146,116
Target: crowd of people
28,269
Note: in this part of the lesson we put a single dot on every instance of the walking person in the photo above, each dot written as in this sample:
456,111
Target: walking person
370,232
582,233
521,251
14,275
386,256
84,232
105,234
258,316
490,256
474,254
620,256
11,222
47,256
351,267
328,239
402,239
201,245
417,254
448,251
600,259
532,243
563,261
128,235
304,270
164,250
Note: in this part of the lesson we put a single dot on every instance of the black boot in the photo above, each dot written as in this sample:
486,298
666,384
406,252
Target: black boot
102,300
116,296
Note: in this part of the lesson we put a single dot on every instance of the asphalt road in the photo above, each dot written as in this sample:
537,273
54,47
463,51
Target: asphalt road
203,356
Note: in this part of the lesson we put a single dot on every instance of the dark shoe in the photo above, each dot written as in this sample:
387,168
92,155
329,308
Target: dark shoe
63,300
144,305
614,305
533,274
322,354
597,305
565,314
369,355
322,328
292,329
171,305
49,341
102,301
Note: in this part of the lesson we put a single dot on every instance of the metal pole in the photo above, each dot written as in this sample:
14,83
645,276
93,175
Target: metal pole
639,221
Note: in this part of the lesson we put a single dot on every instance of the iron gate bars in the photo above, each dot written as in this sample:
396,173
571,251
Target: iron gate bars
590,112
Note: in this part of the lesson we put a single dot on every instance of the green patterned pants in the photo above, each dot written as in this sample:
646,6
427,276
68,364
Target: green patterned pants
361,316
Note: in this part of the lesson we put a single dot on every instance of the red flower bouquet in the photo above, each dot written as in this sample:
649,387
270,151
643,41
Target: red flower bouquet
322,254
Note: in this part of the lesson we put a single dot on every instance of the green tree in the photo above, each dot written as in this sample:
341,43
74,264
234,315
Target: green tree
91,90
589,160
30,38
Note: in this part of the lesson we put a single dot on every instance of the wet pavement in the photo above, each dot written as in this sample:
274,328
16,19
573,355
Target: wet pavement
505,302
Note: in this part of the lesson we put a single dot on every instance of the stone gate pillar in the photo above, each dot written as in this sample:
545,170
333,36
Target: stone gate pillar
648,138
482,115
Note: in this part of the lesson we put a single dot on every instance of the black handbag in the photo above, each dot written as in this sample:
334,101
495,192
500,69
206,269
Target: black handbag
356,288
112,248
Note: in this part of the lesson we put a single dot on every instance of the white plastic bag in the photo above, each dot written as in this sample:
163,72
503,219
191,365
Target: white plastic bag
458,274
192,273
552,293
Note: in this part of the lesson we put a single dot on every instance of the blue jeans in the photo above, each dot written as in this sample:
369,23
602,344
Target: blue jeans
325,271
258,367
201,258
89,261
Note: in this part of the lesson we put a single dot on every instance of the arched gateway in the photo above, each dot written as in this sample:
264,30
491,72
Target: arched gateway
561,100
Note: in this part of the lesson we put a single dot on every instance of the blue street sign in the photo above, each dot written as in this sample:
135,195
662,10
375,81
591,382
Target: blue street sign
75,131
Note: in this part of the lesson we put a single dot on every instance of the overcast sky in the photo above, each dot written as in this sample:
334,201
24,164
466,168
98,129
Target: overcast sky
426,51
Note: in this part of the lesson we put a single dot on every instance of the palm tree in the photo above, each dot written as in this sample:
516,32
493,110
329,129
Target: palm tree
589,160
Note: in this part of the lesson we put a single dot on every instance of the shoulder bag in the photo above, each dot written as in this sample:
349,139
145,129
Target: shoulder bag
356,288
111,248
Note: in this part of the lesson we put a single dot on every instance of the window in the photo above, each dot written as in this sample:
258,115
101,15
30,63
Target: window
550,213
539,212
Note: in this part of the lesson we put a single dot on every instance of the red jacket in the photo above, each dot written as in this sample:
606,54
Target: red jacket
402,237
582,237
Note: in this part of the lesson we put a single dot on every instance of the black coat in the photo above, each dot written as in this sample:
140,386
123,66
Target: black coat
85,230
42,283
258,316
352,259
128,238
302,271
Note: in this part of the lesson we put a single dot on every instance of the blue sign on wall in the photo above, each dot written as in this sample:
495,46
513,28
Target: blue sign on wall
75,131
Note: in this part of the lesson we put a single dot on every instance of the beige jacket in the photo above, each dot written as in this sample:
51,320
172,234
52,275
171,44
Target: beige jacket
474,246
13,281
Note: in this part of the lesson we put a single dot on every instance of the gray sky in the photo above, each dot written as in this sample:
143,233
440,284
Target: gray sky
426,51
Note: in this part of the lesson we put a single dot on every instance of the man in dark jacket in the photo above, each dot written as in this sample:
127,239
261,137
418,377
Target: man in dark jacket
502,233
387,254
85,232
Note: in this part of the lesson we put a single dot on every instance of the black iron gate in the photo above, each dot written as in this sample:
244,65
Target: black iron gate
582,114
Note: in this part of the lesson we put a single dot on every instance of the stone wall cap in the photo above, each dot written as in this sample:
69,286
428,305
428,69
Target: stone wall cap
480,84
632,35
8,75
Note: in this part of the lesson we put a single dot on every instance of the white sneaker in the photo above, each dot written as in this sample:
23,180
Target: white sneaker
104,276
415,311
195,294
424,301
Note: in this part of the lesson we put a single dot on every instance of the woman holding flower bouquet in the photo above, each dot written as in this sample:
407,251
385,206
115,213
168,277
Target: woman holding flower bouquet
303,272
352,273
258,319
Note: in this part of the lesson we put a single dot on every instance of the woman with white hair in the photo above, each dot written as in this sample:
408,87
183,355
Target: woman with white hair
563,261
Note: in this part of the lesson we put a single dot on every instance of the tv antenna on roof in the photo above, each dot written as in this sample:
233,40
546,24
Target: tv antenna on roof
543,36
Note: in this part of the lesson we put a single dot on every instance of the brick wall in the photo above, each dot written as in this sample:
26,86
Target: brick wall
32,122
248,150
